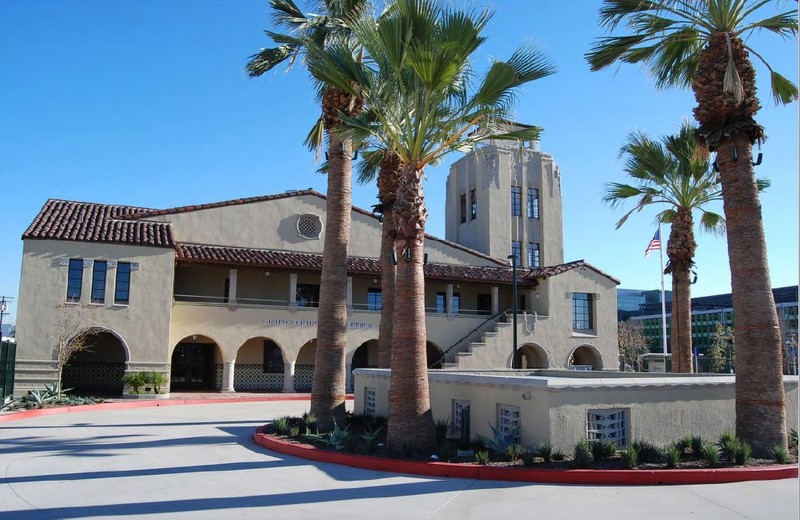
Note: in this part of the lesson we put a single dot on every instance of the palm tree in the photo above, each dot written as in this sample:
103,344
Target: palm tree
671,173
323,30
705,44
417,91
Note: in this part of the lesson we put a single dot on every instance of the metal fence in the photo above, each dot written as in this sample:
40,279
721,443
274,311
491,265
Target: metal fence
8,355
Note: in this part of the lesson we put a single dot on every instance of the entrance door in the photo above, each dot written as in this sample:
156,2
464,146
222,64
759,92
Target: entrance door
484,303
192,366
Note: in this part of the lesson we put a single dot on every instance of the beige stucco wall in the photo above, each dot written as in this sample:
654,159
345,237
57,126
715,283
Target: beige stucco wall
142,325
554,409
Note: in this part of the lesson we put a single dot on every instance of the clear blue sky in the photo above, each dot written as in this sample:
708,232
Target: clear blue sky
147,104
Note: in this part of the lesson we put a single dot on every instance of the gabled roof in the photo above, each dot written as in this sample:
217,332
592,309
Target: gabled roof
90,222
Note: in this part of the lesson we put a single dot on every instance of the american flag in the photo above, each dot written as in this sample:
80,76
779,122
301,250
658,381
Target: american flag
654,245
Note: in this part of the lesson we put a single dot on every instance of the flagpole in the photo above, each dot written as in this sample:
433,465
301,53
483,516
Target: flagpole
663,299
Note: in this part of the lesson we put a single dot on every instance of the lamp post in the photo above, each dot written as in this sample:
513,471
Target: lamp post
513,259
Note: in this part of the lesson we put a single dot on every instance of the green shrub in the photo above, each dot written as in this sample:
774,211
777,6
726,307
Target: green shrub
482,457
793,438
648,452
558,455
672,455
684,444
501,440
294,431
602,450
447,451
726,437
442,428
742,453
780,454
728,447
545,451
697,445
156,380
338,438
630,457
135,380
710,453
528,457
309,424
282,425
583,456
514,452
371,436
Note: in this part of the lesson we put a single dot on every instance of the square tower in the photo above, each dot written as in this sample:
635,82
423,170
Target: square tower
504,198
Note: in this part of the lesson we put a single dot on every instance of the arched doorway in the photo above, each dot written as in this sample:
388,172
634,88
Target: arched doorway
533,356
196,364
585,357
98,369
365,356
259,366
304,366
434,355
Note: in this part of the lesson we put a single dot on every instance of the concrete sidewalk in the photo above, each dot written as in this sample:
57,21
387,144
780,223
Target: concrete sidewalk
199,462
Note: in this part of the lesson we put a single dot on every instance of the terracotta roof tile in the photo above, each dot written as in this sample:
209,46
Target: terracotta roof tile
89,222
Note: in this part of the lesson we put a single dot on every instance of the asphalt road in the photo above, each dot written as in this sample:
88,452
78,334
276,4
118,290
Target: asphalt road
199,462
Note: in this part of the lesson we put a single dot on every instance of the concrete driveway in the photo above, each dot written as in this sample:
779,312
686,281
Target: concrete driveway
198,462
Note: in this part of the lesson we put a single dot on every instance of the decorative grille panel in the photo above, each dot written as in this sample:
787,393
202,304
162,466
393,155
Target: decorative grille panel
369,400
458,413
508,420
309,226
608,425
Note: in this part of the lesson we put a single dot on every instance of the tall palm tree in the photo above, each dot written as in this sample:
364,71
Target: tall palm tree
418,93
671,173
705,44
324,30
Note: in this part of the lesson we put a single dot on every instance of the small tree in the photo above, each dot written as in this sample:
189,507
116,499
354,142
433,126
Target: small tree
71,334
722,348
632,344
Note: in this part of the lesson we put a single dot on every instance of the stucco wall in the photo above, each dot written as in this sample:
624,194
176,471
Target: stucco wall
142,325
554,409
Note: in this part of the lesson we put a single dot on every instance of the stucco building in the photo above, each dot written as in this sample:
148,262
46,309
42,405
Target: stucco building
223,295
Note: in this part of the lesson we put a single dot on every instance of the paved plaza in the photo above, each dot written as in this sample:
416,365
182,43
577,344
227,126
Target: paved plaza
199,462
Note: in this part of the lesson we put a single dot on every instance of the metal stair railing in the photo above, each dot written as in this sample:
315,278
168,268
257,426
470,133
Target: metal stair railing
492,319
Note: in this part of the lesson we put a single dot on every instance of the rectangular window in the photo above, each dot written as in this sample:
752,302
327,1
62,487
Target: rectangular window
533,203
122,286
441,302
473,205
273,359
456,303
508,422
74,280
516,251
99,281
374,299
463,208
607,425
516,201
533,254
307,295
582,318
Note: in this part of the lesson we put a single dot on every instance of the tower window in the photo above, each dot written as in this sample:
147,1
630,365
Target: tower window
516,201
473,205
463,208
516,250
533,254
533,203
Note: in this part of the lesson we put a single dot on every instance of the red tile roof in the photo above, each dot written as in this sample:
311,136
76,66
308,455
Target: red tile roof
90,222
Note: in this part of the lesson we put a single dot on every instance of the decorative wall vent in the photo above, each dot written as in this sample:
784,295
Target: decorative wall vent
508,423
369,401
309,226
608,425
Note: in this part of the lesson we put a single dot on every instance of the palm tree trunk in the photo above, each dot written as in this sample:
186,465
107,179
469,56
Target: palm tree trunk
410,416
387,290
760,395
328,391
680,250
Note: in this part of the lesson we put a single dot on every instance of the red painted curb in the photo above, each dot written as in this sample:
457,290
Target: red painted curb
639,477
155,403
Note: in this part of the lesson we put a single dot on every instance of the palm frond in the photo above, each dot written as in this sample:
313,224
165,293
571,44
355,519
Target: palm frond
713,223
783,90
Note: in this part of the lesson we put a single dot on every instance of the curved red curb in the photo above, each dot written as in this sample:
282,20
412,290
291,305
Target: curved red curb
638,477
28,414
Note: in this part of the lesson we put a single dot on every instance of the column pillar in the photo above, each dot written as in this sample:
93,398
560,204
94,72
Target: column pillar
449,300
227,376
288,378
232,276
495,300
292,289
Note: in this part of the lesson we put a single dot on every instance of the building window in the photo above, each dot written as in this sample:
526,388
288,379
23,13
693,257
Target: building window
516,201
460,417
122,286
456,305
374,299
273,359
369,400
99,281
473,205
516,251
582,318
533,254
463,208
607,425
533,203
74,280
441,302
307,295
508,421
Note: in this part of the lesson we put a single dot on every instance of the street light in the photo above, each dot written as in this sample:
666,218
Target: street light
513,259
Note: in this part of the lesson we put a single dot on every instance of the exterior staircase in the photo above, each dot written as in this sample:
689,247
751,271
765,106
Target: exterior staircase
486,347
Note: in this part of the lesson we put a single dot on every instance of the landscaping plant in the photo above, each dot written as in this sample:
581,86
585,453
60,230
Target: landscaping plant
583,456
